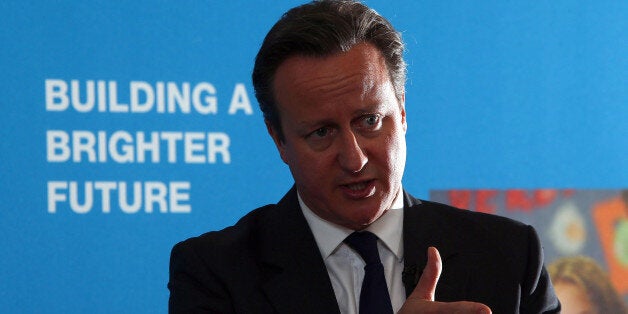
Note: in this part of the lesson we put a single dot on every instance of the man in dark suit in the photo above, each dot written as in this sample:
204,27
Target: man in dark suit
347,238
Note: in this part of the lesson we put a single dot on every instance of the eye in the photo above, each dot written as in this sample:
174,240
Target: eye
371,122
320,138
322,132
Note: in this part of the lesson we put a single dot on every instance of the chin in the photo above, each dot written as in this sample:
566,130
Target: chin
369,219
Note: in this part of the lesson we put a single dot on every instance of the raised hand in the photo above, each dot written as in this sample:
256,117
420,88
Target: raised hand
422,298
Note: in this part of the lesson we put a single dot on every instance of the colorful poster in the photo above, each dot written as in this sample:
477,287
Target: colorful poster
584,234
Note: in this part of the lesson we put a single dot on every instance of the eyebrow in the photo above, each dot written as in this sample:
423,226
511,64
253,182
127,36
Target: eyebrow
313,124
308,125
370,109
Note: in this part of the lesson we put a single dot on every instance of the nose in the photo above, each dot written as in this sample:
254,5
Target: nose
351,156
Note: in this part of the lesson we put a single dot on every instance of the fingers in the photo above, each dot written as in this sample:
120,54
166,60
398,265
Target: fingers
426,287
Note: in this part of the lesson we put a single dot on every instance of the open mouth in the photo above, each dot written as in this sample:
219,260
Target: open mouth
357,186
359,189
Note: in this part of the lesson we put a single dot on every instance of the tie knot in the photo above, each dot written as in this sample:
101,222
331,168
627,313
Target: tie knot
365,243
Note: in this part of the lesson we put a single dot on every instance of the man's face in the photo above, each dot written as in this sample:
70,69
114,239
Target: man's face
344,134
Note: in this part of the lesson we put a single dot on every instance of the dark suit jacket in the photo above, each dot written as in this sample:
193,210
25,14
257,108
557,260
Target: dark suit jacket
269,263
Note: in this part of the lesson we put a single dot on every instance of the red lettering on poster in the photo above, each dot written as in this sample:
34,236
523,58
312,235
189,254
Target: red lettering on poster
530,200
518,199
483,201
460,198
544,197
515,199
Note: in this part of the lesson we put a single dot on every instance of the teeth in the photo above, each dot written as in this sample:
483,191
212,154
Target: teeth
357,186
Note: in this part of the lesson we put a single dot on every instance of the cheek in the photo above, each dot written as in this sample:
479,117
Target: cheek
395,147
307,167
394,151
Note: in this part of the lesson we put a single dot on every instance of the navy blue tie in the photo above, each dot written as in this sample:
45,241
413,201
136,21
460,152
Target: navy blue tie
374,297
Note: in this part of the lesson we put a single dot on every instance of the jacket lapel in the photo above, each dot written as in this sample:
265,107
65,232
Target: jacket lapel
294,274
422,229
296,279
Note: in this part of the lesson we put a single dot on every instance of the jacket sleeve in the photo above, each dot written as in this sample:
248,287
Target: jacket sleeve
537,291
194,288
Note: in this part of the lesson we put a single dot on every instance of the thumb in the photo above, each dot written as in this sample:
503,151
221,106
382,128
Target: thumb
426,287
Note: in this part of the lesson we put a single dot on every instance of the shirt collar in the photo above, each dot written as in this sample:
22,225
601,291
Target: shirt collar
388,228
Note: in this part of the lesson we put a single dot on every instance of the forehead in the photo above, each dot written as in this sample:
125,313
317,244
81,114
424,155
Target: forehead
358,72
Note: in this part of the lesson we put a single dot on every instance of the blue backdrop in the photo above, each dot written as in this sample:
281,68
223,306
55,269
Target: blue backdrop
100,98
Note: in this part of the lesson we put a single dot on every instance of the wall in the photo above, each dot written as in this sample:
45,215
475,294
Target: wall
500,95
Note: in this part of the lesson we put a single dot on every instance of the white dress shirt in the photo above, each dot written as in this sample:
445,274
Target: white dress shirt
345,266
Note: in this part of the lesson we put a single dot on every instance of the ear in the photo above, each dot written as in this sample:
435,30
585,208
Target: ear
402,107
278,143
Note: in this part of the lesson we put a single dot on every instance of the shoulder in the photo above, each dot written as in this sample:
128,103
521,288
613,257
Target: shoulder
501,258
473,231
210,270
230,241
219,261
258,232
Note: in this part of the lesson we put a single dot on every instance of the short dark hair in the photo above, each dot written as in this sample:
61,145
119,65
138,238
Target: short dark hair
319,29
